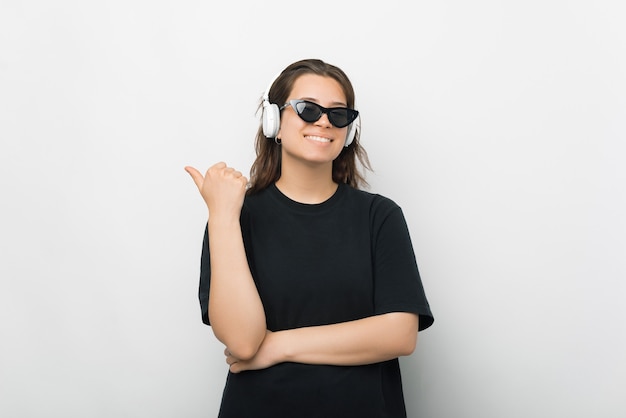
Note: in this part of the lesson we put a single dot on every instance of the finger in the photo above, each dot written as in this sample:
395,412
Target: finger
195,175
219,165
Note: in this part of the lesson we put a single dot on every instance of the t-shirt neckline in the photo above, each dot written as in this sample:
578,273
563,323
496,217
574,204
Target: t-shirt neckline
307,207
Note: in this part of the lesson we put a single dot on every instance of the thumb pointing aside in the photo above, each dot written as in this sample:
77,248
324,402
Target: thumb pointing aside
197,177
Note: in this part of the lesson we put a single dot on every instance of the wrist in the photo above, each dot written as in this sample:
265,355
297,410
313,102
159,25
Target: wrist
283,349
222,220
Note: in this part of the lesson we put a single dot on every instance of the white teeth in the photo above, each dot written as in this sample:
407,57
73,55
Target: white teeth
317,138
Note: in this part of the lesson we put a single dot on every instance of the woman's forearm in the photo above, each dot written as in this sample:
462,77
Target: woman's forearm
364,341
235,309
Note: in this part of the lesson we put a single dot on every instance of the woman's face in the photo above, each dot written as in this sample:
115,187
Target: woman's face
319,141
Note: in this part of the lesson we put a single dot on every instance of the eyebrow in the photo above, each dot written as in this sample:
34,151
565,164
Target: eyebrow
314,100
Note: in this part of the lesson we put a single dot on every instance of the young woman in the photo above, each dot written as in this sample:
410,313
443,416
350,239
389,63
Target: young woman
310,282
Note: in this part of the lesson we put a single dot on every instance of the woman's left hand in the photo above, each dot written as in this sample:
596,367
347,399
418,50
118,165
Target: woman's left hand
265,357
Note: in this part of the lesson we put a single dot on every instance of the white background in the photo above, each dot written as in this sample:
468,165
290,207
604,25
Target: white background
499,127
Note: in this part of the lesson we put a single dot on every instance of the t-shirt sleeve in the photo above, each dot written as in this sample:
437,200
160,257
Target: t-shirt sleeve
397,283
205,278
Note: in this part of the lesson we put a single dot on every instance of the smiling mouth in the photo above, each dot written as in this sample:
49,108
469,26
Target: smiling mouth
318,138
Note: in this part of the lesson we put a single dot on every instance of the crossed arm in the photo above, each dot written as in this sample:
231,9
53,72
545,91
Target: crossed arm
363,341
238,320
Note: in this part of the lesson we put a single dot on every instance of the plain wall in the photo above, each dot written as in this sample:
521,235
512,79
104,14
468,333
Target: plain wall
499,127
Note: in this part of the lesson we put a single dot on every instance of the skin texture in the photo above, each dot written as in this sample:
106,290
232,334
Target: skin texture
235,309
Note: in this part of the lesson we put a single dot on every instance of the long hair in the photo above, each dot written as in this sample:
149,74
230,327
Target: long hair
266,169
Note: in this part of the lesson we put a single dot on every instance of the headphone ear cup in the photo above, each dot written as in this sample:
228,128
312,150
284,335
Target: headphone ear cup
352,131
271,120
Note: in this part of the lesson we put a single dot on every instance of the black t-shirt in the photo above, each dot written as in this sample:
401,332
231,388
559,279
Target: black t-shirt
347,258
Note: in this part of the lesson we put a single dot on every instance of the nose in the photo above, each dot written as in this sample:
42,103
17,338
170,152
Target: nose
324,121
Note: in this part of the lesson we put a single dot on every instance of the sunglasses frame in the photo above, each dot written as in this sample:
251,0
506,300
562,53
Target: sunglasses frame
352,114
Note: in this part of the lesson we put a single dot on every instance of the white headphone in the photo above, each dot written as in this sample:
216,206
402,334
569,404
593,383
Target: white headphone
271,118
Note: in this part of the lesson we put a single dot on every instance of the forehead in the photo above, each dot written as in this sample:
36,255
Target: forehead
317,88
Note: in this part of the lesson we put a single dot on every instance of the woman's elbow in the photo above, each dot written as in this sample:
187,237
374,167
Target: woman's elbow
243,351
407,325
243,347
407,346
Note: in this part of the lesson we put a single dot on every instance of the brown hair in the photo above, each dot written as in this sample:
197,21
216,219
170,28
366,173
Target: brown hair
266,168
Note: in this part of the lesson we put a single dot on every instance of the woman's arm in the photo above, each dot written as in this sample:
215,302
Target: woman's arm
235,309
363,341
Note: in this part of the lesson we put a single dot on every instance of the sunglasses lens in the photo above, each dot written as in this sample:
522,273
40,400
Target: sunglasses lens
340,117
308,112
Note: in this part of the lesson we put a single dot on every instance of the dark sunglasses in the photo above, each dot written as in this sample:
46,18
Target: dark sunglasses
310,112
